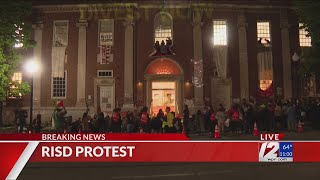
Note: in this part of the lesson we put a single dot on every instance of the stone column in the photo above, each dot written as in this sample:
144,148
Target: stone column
197,54
243,56
128,64
148,99
286,57
37,53
82,58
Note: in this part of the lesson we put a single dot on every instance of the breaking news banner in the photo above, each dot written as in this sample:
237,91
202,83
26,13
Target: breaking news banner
18,149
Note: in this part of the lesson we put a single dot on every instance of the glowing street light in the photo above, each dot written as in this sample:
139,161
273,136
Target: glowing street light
31,66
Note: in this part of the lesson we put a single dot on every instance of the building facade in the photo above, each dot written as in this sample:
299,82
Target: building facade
106,55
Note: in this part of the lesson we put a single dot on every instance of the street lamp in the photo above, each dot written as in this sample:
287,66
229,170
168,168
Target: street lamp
295,59
32,66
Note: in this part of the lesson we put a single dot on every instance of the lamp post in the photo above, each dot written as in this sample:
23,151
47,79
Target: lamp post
32,66
295,59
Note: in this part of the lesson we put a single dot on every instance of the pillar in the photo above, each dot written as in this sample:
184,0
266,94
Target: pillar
82,58
243,56
286,57
128,64
197,53
37,53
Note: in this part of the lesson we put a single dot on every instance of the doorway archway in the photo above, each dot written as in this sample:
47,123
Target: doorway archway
164,85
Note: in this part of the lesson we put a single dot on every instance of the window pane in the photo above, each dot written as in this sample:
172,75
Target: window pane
263,30
304,40
163,27
264,84
220,33
58,87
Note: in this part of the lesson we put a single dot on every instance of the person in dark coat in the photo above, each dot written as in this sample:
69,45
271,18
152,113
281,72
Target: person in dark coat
22,120
130,122
61,112
37,124
186,120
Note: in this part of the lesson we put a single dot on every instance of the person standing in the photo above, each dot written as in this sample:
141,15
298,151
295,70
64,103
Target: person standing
61,112
167,125
285,115
186,119
271,119
130,122
250,118
101,123
213,122
37,124
84,122
144,119
156,122
291,117
196,121
22,120
277,116
116,121
221,118
263,118
235,118
243,115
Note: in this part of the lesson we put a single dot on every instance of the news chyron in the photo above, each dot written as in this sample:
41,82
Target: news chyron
273,151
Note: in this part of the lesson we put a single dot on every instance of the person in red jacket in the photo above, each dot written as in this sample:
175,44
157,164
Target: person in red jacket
116,121
213,121
234,114
144,119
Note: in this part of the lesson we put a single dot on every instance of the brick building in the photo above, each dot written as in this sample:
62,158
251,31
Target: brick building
104,54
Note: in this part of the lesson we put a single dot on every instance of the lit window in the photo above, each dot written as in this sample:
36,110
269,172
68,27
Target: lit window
105,73
265,84
162,27
219,33
263,32
59,86
16,78
305,41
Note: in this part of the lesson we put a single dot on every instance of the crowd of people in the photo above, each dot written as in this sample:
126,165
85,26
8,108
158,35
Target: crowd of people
240,118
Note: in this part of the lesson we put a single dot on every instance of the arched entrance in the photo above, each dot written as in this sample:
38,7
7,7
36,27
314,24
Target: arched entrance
164,80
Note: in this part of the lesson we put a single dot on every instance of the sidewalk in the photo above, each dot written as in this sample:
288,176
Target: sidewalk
307,135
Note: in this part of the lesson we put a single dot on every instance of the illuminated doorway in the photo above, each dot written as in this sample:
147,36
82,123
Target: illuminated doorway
163,95
164,86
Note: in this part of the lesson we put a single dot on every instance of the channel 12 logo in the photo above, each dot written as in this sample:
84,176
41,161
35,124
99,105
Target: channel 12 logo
276,152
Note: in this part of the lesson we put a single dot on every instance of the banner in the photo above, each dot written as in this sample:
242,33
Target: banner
18,149
106,54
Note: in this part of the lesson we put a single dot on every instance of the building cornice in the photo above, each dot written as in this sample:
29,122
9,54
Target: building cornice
176,5
84,7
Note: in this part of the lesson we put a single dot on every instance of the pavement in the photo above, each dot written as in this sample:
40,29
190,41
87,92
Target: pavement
171,171
308,134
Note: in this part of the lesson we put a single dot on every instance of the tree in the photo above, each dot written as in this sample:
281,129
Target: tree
309,14
14,31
